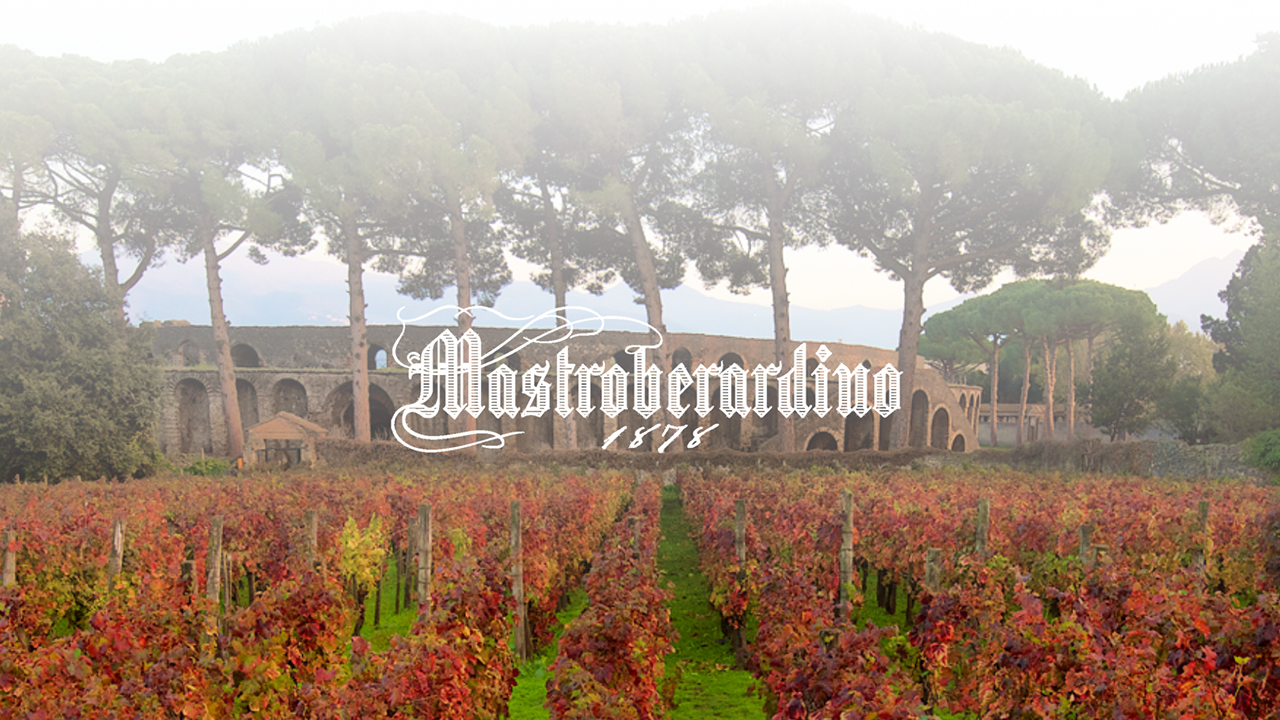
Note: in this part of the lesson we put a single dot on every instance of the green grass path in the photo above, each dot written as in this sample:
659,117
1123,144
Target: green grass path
709,686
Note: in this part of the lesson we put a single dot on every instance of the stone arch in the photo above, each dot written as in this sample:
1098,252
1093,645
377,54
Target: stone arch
919,435
886,427
682,356
341,408
510,358
860,432
289,396
190,353
810,365
957,445
690,418
731,358
626,360
195,433
247,399
822,440
243,355
769,423
729,434
377,357
940,429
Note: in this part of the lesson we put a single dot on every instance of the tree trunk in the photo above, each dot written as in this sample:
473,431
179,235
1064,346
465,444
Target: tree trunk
908,347
556,248
1071,391
1050,345
558,286
1088,361
995,386
107,243
221,339
1026,387
649,287
781,304
462,279
15,172
361,430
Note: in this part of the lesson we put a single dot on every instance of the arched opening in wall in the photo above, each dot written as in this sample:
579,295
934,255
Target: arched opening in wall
509,357
244,356
690,419
190,353
247,398
809,366
823,441
769,423
194,431
682,356
886,427
377,357
957,445
919,435
729,359
342,411
289,396
729,434
940,429
859,432
626,360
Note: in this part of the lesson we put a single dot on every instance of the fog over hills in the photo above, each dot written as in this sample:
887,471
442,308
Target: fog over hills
304,291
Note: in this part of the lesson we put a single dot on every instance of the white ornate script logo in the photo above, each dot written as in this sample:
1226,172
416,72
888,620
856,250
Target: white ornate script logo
450,370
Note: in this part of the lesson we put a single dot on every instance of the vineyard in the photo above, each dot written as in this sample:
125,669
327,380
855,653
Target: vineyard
893,594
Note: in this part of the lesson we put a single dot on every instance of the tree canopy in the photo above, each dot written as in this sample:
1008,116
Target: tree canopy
78,387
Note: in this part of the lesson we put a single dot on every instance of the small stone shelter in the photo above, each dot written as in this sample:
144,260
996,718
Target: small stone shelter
284,439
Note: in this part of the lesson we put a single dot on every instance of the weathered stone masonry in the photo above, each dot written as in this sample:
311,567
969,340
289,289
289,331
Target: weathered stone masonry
306,371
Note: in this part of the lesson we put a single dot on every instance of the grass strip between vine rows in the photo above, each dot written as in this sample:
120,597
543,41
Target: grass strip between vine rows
703,664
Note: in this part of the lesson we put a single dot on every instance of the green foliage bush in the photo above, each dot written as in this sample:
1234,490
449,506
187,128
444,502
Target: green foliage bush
78,386
1263,450
207,467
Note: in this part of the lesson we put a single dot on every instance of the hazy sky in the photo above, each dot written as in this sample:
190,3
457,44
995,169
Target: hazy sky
1116,45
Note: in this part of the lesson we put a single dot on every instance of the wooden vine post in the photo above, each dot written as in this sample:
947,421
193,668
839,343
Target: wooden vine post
1202,526
737,639
408,579
424,541
1086,546
634,527
933,570
517,586
213,582
984,528
10,558
311,522
740,536
846,557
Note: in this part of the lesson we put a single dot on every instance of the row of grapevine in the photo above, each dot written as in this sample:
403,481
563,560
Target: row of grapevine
1151,534
610,660
78,639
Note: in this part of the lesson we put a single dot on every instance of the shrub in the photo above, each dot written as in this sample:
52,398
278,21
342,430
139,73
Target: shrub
1263,450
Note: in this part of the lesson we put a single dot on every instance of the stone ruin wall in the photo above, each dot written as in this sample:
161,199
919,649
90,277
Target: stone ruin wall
306,371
